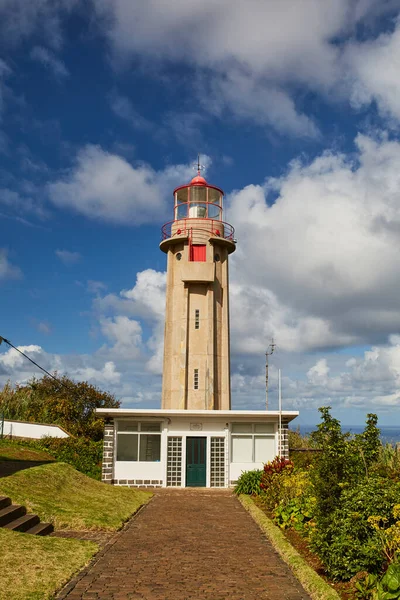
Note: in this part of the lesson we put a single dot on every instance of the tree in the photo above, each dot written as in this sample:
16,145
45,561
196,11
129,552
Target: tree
63,402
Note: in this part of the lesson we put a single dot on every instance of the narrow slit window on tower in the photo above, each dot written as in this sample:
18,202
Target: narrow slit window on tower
197,319
196,379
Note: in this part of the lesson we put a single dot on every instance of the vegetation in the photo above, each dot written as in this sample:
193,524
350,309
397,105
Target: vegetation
344,501
312,583
70,500
68,404
385,587
36,567
21,450
64,402
83,454
249,483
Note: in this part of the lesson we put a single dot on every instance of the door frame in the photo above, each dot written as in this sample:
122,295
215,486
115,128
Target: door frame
184,434
206,457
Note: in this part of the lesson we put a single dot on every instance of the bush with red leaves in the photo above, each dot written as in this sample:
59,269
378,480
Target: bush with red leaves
276,467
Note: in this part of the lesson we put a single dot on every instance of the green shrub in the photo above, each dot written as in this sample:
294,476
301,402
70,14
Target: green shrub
385,588
349,543
298,446
60,401
293,514
82,453
274,481
249,483
296,503
388,462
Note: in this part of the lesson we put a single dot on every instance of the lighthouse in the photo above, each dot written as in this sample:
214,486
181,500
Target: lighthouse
194,439
198,242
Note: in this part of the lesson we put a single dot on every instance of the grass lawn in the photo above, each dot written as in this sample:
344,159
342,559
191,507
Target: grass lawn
11,450
71,500
34,568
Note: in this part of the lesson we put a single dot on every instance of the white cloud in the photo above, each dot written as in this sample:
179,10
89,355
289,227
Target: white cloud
16,367
251,57
95,287
125,333
148,294
373,68
67,257
107,375
43,326
20,19
257,315
8,270
320,263
263,36
255,100
49,61
4,73
22,203
12,358
146,301
106,187
318,374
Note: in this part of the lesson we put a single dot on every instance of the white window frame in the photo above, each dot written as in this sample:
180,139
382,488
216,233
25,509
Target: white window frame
139,434
253,434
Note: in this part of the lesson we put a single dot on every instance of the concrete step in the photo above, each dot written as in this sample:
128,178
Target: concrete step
4,501
23,523
41,529
10,513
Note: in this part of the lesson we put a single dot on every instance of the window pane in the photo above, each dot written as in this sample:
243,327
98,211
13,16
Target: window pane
241,427
127,426
264,428
182,195
214,196
213,211
150,448
127,446
242,448
181,211
198,194
264,448
150,427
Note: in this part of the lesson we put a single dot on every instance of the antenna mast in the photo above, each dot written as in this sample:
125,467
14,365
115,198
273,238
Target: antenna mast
199,167
270,350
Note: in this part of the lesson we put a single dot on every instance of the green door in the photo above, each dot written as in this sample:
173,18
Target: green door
196,462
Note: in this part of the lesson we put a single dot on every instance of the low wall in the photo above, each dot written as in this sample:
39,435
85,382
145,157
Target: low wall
21,429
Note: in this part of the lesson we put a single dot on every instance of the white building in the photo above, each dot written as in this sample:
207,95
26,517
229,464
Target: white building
195,439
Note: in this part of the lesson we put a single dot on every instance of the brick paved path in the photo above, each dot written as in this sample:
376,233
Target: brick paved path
190,545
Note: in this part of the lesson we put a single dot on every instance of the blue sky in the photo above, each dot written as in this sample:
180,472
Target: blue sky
295,109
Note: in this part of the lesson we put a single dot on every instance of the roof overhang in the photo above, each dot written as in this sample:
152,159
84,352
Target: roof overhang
229,415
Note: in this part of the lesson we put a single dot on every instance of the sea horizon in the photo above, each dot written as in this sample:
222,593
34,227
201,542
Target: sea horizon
389,434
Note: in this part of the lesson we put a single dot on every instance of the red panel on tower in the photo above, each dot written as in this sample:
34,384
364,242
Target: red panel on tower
198,252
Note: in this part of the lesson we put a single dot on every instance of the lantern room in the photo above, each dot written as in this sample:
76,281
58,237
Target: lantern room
198,217
198,200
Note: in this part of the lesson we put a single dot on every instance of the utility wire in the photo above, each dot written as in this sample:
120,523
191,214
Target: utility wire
2,339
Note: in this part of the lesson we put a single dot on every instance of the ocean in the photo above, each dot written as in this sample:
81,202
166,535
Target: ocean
389,435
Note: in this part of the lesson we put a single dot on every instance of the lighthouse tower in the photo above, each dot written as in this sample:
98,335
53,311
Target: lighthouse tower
194,439
196,369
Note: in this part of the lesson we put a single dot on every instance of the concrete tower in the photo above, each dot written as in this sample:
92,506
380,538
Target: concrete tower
196,370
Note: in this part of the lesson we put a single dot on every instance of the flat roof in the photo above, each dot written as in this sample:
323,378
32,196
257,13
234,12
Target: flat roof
204,414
